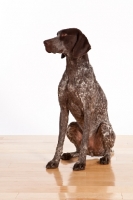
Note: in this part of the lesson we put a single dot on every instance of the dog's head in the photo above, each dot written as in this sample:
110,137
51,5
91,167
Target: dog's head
69,42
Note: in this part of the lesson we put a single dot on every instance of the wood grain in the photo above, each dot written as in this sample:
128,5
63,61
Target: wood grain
23,175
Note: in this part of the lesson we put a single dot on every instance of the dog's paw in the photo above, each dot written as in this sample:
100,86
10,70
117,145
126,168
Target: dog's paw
52,165
105,160
79,166
66,156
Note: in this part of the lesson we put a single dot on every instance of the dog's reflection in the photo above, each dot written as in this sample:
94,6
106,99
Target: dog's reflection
83,182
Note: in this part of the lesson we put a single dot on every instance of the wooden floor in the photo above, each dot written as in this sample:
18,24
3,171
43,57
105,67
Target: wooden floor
23,175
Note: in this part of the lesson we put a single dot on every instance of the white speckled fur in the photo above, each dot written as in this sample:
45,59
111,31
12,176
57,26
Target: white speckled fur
80,93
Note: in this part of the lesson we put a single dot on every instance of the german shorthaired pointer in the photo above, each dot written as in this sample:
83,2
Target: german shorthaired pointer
80,93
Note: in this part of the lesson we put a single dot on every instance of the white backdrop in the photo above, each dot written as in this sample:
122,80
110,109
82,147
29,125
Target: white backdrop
29,76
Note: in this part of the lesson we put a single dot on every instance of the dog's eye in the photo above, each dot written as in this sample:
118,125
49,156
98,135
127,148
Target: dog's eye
63,34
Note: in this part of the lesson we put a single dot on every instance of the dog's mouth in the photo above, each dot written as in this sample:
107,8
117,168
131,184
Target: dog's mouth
51,49
48,50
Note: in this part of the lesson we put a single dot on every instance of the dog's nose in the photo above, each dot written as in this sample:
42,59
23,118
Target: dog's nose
46,43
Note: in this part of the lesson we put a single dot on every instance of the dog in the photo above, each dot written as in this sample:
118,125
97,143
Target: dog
80,93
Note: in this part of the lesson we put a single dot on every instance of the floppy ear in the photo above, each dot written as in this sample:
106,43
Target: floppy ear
63,55
81,47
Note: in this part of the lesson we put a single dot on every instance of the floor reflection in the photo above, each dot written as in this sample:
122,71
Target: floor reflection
89,180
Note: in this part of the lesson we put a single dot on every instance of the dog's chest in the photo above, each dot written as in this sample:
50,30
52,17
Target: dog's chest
74,100
71,93
76,87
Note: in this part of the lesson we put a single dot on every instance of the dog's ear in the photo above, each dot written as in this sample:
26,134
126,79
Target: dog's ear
63,55
82,46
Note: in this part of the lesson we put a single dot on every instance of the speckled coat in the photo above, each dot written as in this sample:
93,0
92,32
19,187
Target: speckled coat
80,93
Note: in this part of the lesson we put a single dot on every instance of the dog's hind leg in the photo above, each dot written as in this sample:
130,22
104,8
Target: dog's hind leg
108,138
74,134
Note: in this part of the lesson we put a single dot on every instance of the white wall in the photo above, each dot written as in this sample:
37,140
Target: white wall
29,76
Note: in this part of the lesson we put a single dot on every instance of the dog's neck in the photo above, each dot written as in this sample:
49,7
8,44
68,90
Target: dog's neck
75,63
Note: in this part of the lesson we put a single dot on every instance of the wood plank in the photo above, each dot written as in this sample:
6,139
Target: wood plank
23,175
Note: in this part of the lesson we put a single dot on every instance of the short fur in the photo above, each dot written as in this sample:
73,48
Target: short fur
80,93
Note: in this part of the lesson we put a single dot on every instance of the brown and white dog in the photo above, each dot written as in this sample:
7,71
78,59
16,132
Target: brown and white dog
80,93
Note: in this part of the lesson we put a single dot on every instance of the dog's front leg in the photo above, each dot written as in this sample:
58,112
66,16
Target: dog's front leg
80,164
59,149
